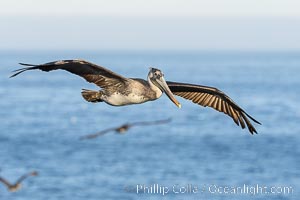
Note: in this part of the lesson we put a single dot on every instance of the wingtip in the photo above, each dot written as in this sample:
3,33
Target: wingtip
26,64
16,72
252,130
19,71
252,118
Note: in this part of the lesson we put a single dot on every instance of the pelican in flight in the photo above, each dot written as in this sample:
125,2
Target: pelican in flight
119,91
17,185
123,128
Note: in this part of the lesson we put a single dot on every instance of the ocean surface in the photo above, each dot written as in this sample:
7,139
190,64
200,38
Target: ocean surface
200,154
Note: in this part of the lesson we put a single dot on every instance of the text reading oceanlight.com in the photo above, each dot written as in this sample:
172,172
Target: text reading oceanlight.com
209,188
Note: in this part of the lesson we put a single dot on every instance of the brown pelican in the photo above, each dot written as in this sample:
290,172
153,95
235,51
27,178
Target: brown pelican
16,186
119,91
123,128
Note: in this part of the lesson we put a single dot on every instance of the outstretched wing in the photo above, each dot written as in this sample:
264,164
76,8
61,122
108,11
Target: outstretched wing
34,173
5,182
92,73
92,136
214,98
147,123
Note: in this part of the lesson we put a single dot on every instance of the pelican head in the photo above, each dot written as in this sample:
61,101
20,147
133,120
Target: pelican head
157,78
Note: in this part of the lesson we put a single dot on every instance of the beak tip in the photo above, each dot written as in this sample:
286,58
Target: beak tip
179,105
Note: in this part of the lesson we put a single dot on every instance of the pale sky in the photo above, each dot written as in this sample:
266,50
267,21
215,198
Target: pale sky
194,8
155,24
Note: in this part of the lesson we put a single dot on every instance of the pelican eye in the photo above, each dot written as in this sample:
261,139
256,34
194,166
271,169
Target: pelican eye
157,75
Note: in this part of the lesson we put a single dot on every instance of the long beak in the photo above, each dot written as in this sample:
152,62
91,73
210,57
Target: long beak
164,86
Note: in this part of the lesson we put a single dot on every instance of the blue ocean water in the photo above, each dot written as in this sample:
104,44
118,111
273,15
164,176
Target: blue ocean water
201,154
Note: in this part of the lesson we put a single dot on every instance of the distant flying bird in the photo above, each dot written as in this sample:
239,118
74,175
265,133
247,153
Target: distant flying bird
16,186
123,128
119,91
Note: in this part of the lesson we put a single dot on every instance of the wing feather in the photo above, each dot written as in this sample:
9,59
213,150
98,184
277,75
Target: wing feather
206,100
214,98
198,97
202,101
242,122
224,108
215,104
234,115
201,95
212,101
219,105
